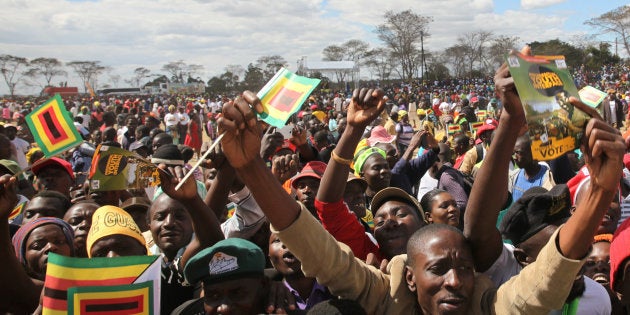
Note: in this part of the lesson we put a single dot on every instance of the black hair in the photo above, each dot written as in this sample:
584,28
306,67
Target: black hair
65,202
427,200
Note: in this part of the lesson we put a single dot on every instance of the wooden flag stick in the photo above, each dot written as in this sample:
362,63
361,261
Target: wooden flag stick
216,141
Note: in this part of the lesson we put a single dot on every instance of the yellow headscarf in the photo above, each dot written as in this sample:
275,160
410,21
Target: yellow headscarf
110,220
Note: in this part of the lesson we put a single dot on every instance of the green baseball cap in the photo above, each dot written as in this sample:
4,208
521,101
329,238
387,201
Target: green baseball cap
233,258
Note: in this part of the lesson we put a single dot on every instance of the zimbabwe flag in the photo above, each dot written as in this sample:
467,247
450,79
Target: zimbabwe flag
52,127
120,285
453,129
283,96
17,210
476,125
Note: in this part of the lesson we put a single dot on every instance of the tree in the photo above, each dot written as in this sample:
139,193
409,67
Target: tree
500,46
353,50
474,44
616,21
379,61
270,65
11,68
138,75
114,78
176,70
254,78
216,85
402,32
574,56
87,71
237,70
456,57
180,72
47,68
333,53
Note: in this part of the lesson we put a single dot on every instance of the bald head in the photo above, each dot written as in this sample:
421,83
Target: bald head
419,241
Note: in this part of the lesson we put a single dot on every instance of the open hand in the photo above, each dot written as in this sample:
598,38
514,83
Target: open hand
241,143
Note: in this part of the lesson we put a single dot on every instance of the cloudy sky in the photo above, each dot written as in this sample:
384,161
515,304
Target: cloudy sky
126,34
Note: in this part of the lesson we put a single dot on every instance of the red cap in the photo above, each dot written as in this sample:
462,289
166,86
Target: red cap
484,128
314,107
619,250
286,144
474,99
626,160
313,169
39,165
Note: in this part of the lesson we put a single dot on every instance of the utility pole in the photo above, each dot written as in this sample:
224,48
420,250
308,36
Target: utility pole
422,56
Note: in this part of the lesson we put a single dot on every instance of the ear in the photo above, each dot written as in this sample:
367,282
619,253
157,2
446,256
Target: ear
521,256
410,278
427,215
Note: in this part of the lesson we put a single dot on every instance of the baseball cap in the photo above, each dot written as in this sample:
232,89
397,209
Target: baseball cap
313,169
535,210
53,161
390,193
229,259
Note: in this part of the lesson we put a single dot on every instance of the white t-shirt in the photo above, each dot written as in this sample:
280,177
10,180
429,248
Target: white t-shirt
22,147
171,119
613,112
184,119
427,183
594,300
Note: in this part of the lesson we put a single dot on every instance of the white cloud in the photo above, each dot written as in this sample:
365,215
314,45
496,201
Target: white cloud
537,4
125,34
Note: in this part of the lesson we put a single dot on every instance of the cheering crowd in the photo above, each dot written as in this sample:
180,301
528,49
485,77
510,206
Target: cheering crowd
362,204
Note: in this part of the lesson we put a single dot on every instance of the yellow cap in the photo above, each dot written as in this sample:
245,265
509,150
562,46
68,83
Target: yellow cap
110,220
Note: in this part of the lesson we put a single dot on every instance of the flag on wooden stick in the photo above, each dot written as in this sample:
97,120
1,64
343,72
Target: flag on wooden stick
283,96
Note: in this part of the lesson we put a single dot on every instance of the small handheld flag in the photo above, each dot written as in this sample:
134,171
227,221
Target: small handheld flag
283,96
591,96
452,129
52,127
119,285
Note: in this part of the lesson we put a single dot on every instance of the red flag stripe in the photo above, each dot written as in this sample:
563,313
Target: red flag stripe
55,122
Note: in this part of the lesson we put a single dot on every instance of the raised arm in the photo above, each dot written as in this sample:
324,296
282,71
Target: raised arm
19,294
241,146
489,192
333,182
205,223
603,149
333,213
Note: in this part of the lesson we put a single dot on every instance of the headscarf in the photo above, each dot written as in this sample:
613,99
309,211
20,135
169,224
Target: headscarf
110,220
362,156
20,237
